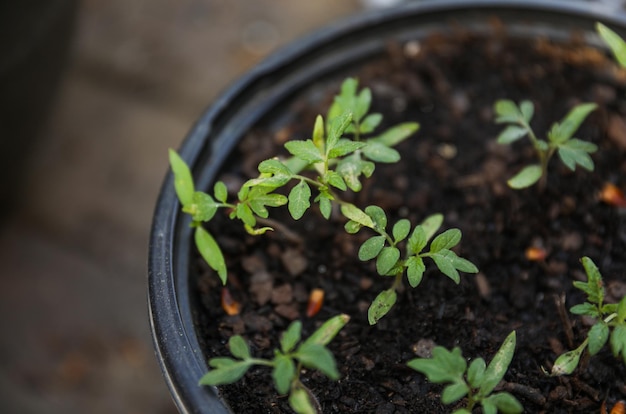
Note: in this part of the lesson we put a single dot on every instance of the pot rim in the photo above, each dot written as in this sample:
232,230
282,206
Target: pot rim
176,345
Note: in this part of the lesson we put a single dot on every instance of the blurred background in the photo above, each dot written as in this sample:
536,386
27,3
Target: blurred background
76,211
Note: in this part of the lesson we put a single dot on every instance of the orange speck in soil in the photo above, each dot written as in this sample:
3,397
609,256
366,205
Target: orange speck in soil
612,195
230,305
536,254
316,298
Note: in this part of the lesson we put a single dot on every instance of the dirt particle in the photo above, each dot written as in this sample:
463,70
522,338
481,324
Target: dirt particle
294,261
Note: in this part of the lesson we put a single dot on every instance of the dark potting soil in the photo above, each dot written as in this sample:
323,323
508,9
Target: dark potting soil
453,166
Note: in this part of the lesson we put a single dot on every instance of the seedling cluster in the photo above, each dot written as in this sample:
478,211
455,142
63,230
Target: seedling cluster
344,150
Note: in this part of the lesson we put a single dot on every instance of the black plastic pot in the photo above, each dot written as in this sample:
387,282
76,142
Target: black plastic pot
329,54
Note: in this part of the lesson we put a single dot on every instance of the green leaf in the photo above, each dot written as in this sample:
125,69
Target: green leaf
363,102
244,213
564,130
598,335
594,286
270,181
387,259
226,373
527,109
344,147
371,248
378,216
415,270
220,191
476,372
454,392
489,407
299,200
274,166
318,357
618,341
211,252
444,261
354,213
305,150
336,180
381,153
615,43
202,208
444,366
318,133
336,129
395,135
446,240
352,227
291,336
431,224
506,403
370,123
526,177
511,134
571,157
325,206
300,403
238,347
498,366
256,231
401,230
350,168
585,309
329,329
418,240
381,305
183,181
621,310
507,111
284,373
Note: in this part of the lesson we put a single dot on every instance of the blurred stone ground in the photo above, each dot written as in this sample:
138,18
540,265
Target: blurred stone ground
73,314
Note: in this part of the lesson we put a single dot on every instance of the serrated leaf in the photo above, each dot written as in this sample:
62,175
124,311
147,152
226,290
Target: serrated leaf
446,240
594,287
621,309
401,230
371,248
299,200
415,269
511,134
220,191
380,153
585,309
291,336
618,341
325,207
318,357
431,224
336,180
269,181
615,43
417,241
378,216
443,259
354,213
363,102
571,157
499,365
305,150
344,147
598,335
238,347
381,305
476,372
564,130
274,166
506,111
527,109
183,180
336,129
329,329
444,366
226,374
370,123
454,392
526,177
211,252
387,259
396,134
283,373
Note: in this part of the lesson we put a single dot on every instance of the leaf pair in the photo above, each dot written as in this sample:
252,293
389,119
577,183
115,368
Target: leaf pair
311,353
476,382
572,151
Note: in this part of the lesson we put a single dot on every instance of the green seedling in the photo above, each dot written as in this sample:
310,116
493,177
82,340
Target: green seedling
610,325
334,160
287,363
571,151
476,382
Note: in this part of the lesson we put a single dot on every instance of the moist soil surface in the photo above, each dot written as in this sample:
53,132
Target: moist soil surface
453,166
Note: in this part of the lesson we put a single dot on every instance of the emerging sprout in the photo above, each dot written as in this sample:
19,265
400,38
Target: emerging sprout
572,151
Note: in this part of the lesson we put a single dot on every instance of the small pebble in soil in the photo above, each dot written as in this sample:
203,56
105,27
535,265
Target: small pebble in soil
294,261
424,348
